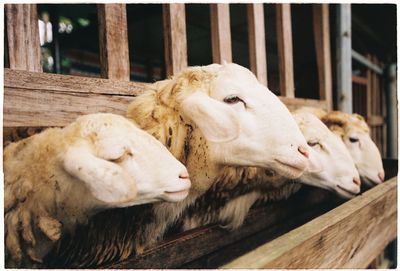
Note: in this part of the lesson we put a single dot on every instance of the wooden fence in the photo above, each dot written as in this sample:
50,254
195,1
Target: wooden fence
34,100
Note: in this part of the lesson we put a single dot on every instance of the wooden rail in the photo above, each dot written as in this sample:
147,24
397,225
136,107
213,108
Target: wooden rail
349,236
220,33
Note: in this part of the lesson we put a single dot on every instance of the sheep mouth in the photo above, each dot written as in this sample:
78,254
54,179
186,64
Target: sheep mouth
177,193
370,182
348,192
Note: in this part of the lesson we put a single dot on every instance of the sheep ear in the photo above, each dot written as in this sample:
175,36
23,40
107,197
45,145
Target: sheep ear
107,181
314,164
217,121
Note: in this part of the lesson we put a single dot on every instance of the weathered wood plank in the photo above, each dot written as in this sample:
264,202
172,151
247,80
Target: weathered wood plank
113,41
173,253
359,80
294,103
285,50
220,33
323,51
175,43
23,37
52,108
68,83
349,236
257,51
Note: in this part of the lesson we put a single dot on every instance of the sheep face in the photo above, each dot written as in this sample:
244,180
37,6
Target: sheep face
354,132
245,124
338,173
122,165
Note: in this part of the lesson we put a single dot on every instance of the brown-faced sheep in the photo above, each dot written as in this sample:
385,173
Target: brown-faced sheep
59,178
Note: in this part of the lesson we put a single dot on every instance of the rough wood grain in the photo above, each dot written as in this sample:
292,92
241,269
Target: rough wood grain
323,51
52,108
220,33
67,83
285,49
175,43
349,236
23,37
294,103
190,245
257,51
113,41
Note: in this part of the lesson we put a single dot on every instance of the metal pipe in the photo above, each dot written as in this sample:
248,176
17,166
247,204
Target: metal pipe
366,62
344,96
392,114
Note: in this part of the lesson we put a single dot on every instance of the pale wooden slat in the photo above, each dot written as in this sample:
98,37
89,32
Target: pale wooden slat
113,41
68,83
294,103
48,108
285,49
175,43
349,236
323,51
23,37
220,33
256,29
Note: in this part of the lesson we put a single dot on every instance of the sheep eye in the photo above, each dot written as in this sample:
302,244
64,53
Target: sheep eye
123,157
312,143
353,139
233,99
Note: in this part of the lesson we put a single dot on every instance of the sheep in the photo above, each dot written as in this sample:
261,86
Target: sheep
355,133
208,117
229,209
59,178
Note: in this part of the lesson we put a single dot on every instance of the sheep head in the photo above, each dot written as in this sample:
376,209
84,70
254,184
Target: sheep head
244,123
122,165
338,173
355,133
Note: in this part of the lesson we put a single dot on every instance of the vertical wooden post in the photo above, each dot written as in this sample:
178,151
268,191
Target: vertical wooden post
174,38
285,49
113,41
257,51
343,58
323,51
23,37
220,33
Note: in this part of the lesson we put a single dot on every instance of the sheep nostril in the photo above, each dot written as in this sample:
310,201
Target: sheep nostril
303,151
381,176
356,180
184,175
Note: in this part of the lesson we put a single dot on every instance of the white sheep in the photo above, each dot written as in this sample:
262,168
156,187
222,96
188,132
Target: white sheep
59,178
209,118
355,133
337,173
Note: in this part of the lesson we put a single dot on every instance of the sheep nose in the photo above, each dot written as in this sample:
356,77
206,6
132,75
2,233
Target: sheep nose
356,180
303,151
381,176
184,175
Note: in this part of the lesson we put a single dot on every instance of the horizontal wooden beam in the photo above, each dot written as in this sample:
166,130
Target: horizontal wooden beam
375,120
349,236
210,239
359,80
294,103
366,62
41,99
